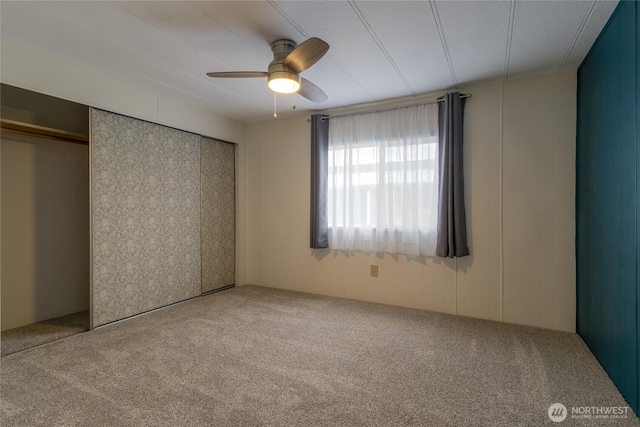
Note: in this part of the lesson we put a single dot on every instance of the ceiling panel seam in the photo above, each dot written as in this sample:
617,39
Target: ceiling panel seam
206,13
581,28
443,41
288,18
329,57
507,55
386,53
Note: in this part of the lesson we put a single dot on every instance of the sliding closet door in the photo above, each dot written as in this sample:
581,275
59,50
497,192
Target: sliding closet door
218,214
146,216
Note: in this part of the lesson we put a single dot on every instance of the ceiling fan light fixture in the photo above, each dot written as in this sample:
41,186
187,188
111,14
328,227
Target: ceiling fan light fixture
284,82
283,73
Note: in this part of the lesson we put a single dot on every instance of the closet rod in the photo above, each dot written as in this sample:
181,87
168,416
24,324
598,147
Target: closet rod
435,101
42,131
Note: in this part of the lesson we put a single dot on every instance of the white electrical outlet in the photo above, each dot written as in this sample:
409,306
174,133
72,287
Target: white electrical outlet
373,271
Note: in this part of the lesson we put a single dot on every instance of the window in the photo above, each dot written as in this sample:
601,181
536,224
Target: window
383,181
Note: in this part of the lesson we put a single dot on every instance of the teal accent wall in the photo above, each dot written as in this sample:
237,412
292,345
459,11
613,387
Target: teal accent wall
608,210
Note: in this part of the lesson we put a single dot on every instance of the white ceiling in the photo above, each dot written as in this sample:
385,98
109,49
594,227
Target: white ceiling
379,49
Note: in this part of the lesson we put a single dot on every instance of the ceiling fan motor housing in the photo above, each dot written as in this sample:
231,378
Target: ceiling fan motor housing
281,49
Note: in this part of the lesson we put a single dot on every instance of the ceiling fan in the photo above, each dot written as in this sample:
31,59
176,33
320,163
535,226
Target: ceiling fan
283,75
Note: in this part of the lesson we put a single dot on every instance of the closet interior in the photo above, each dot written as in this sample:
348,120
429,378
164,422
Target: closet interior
44,212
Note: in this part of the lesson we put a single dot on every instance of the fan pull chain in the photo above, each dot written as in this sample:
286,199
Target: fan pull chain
294,101
275,106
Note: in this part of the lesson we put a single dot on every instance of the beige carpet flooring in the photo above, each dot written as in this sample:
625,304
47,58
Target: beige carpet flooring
29,336
254,356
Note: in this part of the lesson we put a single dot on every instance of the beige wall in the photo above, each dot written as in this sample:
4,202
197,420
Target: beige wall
520,178
45,229
43,72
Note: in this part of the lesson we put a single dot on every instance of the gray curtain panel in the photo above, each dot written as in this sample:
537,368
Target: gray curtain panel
452,228
319,172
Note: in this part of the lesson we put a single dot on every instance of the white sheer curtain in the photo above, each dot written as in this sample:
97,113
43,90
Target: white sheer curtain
383,181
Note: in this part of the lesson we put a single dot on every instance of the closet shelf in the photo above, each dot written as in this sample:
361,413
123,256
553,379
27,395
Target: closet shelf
31,129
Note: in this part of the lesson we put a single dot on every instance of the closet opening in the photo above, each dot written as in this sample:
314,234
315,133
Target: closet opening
44,220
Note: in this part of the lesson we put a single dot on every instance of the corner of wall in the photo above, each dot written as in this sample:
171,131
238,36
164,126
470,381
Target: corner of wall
242,198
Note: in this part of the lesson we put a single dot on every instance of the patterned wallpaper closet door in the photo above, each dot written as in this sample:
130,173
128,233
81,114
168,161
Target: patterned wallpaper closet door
218,214
146,216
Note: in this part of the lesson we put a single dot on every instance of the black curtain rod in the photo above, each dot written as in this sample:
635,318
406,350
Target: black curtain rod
435,101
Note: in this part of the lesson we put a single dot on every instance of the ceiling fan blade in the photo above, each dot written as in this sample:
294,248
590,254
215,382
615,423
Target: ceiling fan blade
311,91
239,74
306,54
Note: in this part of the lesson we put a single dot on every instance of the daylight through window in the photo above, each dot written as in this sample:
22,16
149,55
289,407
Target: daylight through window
383,181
